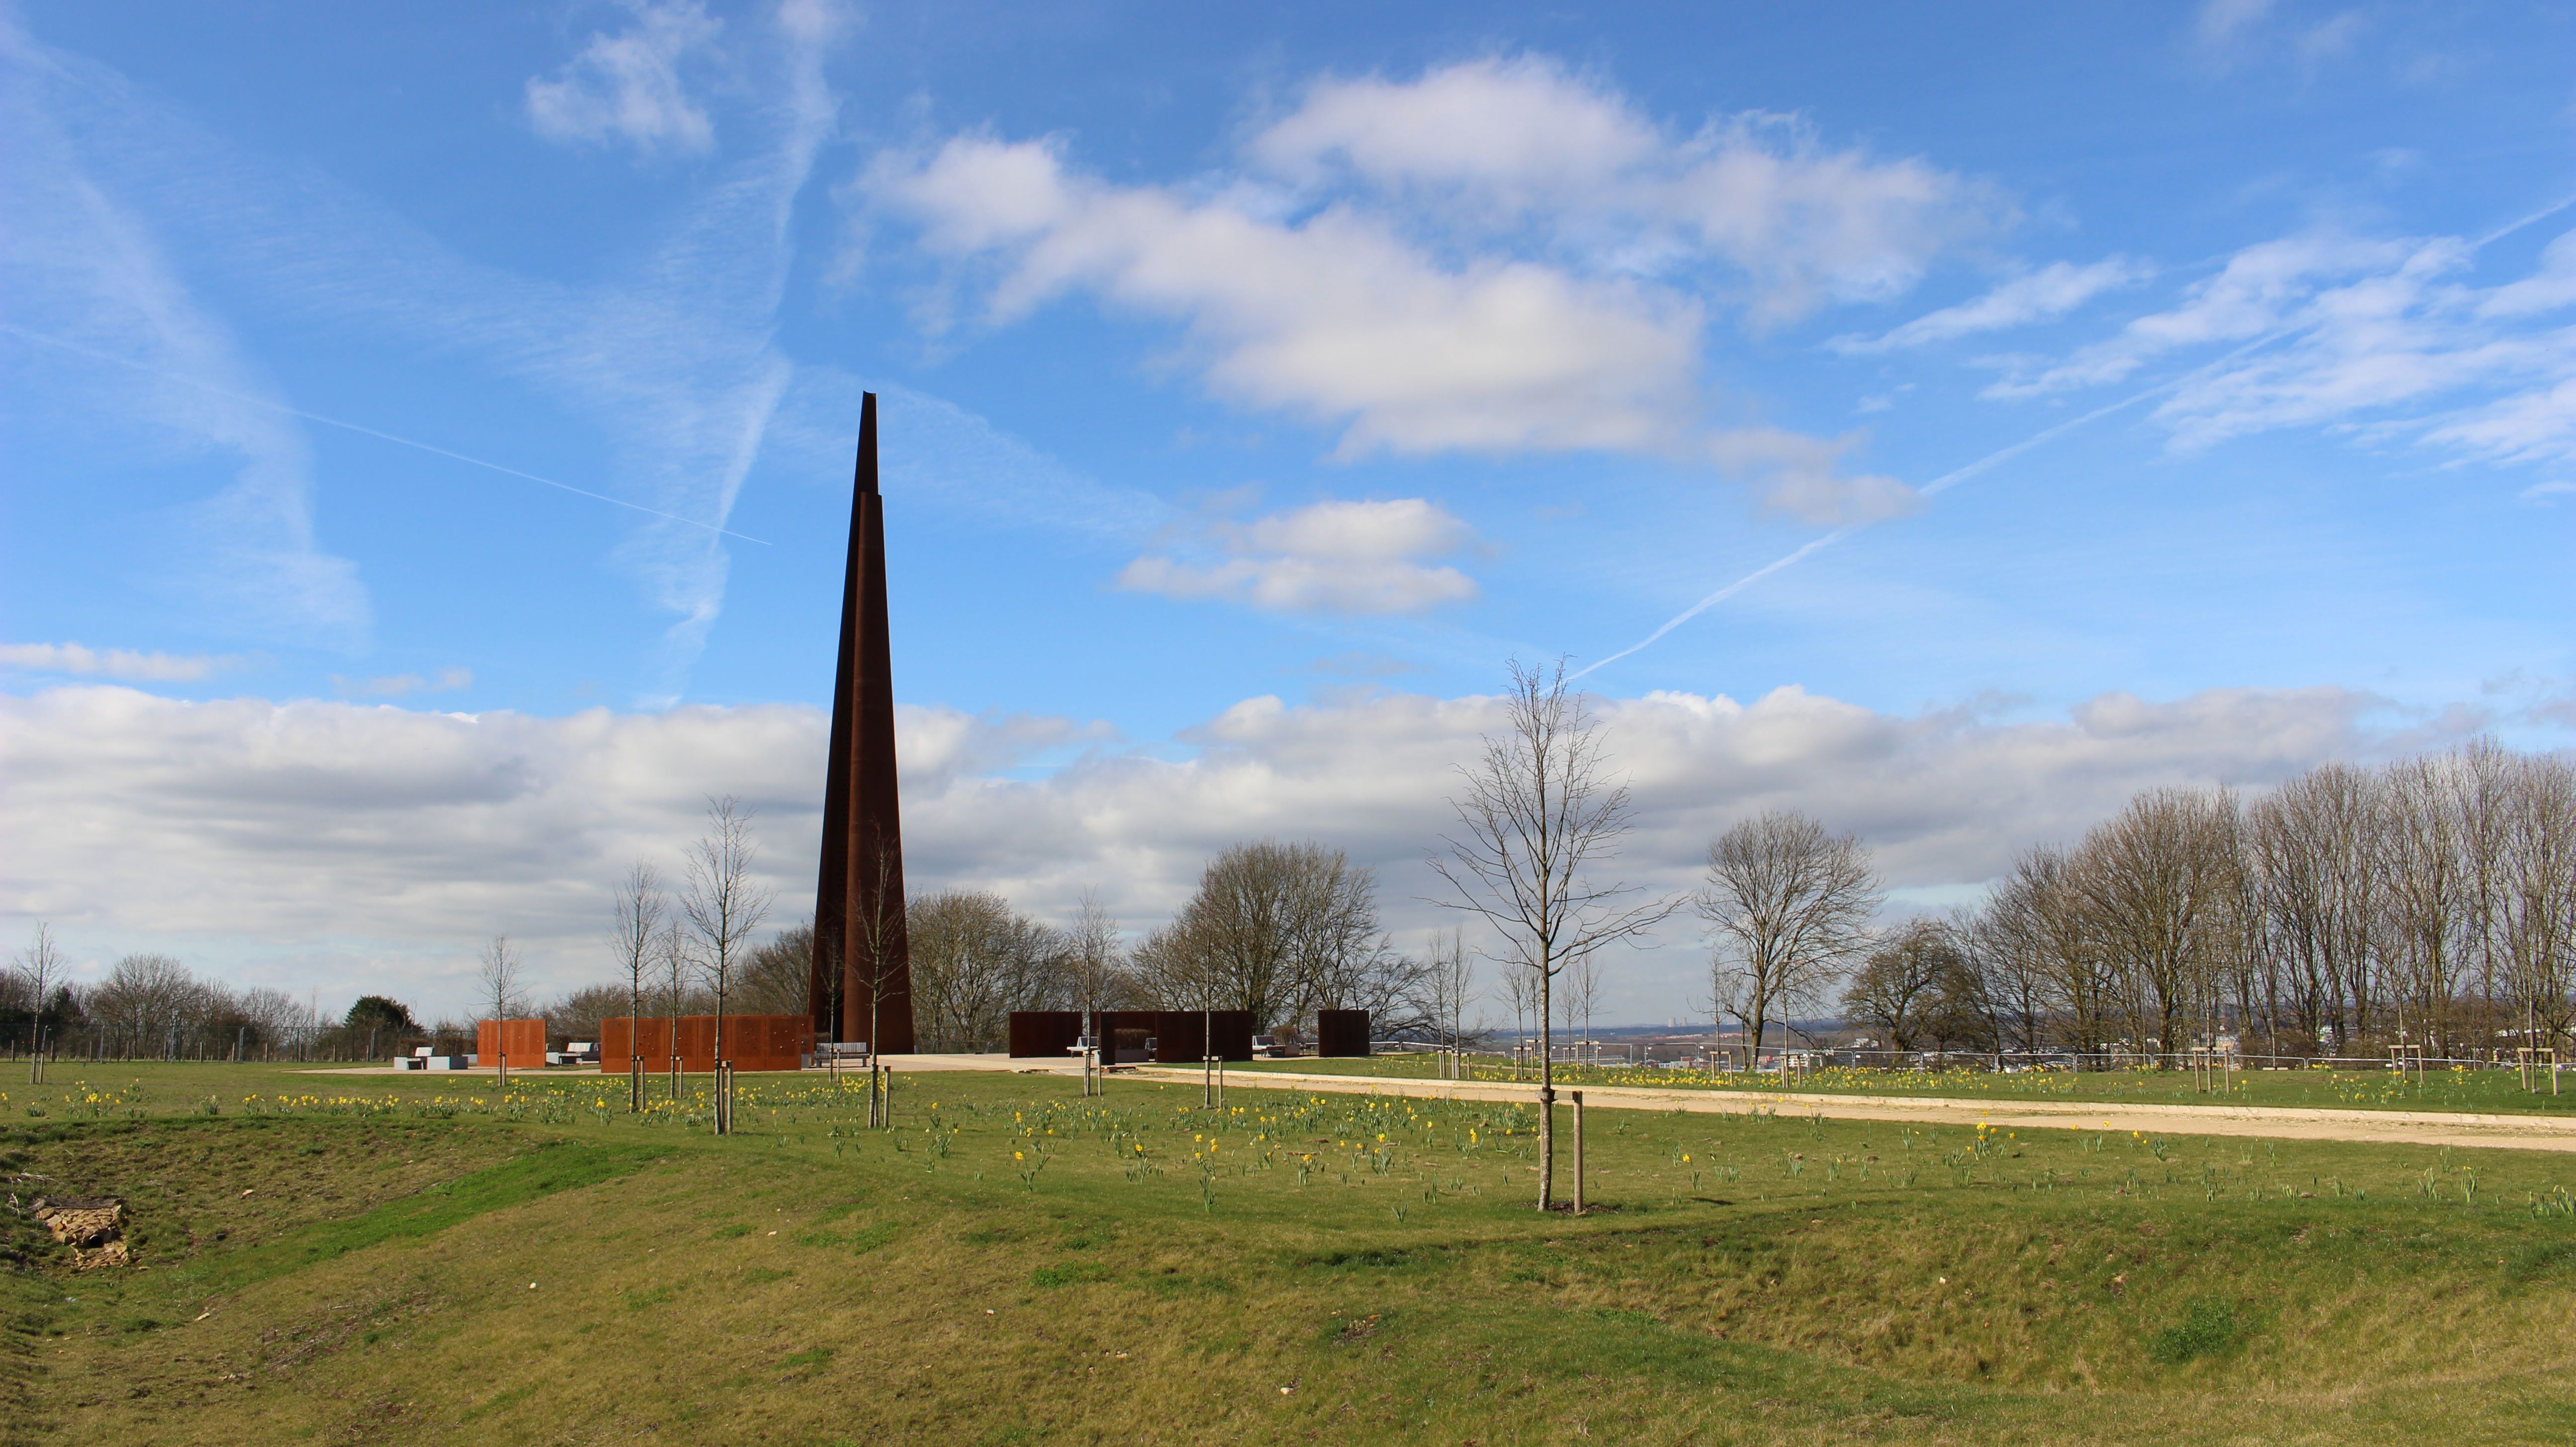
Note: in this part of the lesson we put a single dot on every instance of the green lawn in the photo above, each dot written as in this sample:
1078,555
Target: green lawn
360,1259
2498,1092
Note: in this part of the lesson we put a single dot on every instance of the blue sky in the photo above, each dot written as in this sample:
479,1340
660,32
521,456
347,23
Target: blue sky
2094,364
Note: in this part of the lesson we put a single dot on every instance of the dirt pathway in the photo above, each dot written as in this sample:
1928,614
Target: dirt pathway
2386,1127
2427,1128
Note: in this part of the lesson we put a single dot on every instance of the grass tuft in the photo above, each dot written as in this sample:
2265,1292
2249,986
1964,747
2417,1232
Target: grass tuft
2210,1327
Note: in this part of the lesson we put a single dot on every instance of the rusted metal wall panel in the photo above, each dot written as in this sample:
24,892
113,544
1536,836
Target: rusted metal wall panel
752,1042
1124,1033
1043,1034
524,1041
1341,1032
1183,1035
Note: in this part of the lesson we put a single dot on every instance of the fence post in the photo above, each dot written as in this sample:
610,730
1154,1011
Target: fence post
1578,1151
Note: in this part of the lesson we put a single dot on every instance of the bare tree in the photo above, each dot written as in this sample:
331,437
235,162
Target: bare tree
41,963
1175,969
880,934
2038,915
2158,882
1898,989
1539,814
502,975
583,1013
272,1017
974,960
1449,983
723,903
671,949
1280,930
1372,974
777,977
1976,1006
2422,872
2540,909
642,907
146,1002
2010,980
1518,993
2312,867
1583,994
2483,775
1789,904
1097,964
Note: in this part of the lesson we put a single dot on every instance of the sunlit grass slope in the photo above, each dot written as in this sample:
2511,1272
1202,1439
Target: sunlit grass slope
384,1259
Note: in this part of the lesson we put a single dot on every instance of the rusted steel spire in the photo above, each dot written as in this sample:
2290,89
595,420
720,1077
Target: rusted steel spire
861,983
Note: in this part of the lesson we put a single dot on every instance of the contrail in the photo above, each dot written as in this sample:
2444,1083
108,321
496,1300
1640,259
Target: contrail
205,386
2543,214
1720,596
1939,484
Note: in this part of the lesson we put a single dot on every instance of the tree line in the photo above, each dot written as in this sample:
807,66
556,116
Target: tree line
1278,929
2431,902
149,1006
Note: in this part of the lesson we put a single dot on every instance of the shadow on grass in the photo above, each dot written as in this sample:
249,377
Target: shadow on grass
545,1169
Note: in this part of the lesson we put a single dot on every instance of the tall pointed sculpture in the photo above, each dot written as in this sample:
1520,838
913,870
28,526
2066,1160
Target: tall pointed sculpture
861,984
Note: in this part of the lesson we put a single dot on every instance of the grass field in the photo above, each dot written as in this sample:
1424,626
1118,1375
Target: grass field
2489,1092
324,1258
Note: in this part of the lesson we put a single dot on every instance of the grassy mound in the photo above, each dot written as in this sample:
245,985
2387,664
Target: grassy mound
392,1259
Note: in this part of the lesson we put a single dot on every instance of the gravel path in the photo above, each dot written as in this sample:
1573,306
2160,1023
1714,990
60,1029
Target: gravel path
2429,1128
2386,1127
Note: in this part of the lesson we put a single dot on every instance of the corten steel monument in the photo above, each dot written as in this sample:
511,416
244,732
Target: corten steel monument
861,984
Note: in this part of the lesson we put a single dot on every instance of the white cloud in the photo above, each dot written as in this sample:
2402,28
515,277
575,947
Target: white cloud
2550,288
370,848
2534,426
1494,256
2332,37
1327,557
401,685
2223,27
2043,295
1802,478
627,87
72,658
1496,144
1521,132
2224,22
1338,319
2261,288
2230,33
2379,337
